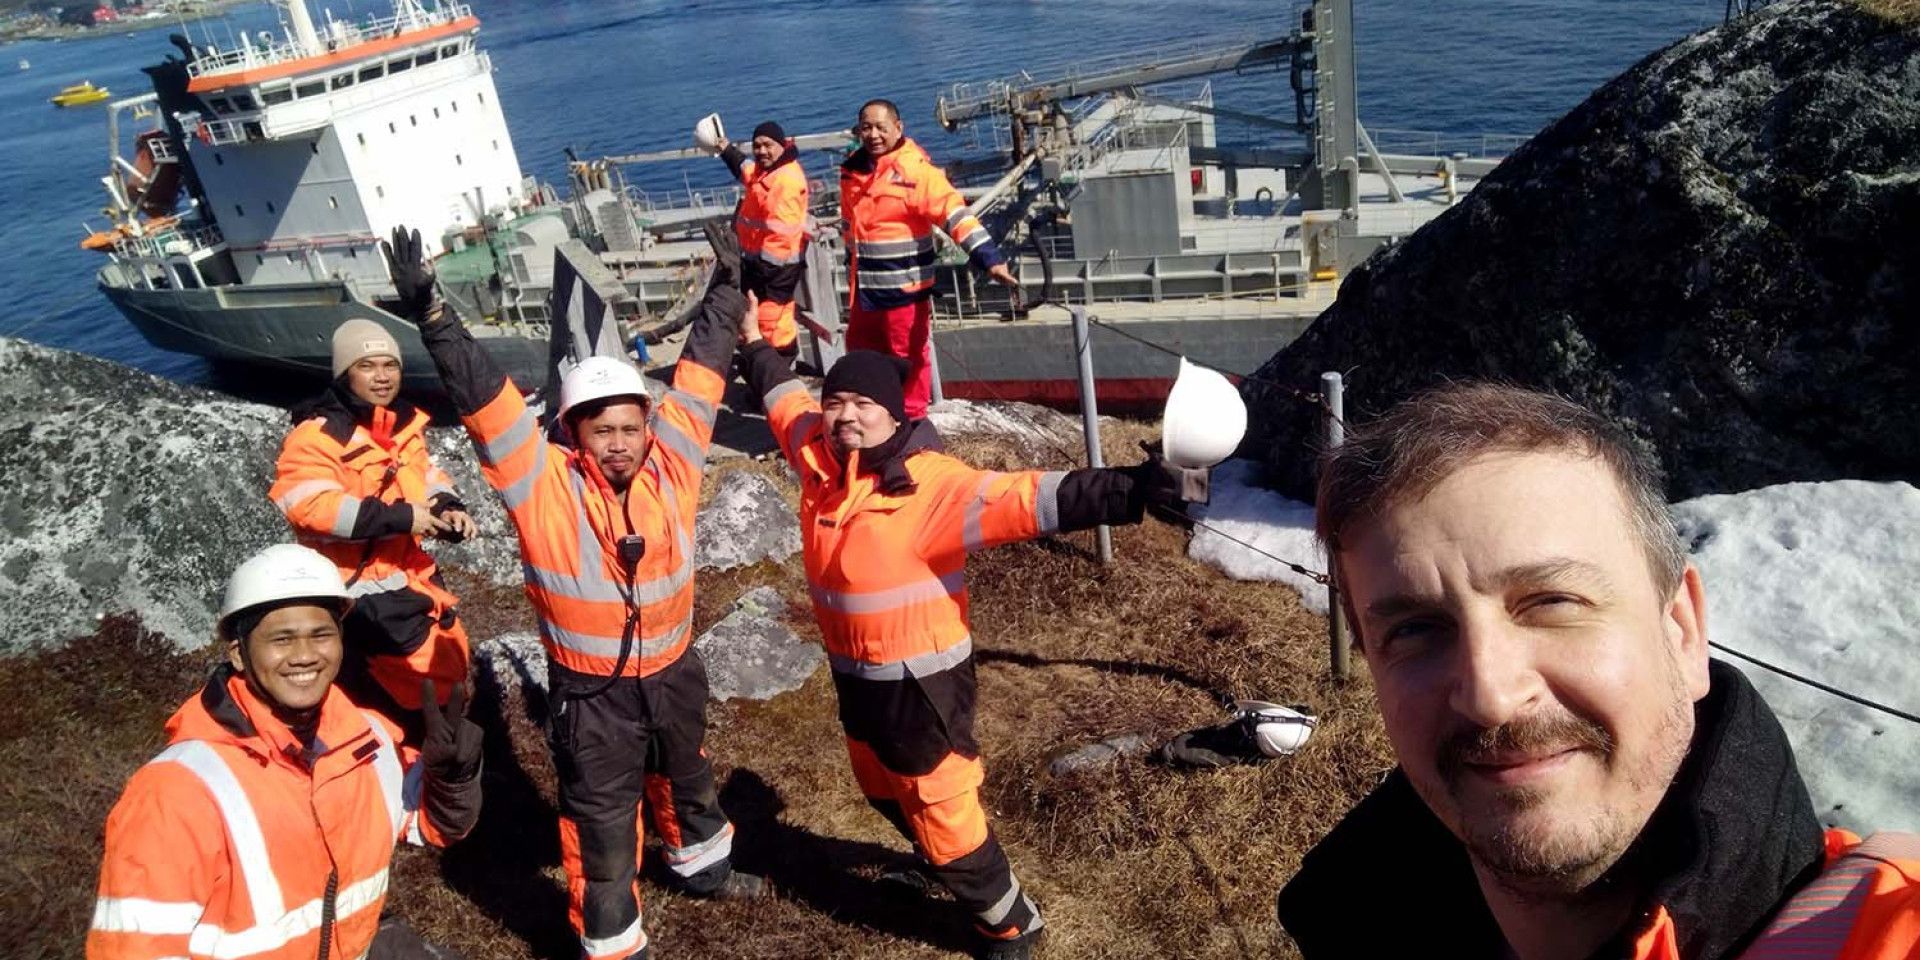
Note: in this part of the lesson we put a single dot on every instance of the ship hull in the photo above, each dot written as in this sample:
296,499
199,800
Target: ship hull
289,328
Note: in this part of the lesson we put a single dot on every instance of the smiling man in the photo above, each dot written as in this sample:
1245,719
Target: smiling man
1576,778
771,225
266,828
356,483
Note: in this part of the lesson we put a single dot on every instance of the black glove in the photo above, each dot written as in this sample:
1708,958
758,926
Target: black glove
412,275
451,745
1162,485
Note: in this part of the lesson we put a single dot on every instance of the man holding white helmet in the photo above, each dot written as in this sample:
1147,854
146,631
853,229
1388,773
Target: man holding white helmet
606,541
887,520
266,827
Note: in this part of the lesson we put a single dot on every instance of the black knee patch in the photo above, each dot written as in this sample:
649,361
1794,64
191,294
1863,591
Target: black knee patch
607,851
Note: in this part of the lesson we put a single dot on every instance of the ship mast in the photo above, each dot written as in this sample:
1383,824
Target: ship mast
300,22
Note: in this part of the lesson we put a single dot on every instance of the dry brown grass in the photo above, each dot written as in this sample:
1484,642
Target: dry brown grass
1903,12
1127,860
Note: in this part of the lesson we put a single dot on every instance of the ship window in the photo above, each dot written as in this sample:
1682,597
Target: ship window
413,119
242,102
341,81
313,89
270,207
449,50
380,192
399,64
252,130
482,95
391,128
496,144
314,145
219,161
436,113
372,72
455,104
426,57
271,97
220,105
189,279
457,161
333,203
259,259
361,137
293,257
239,210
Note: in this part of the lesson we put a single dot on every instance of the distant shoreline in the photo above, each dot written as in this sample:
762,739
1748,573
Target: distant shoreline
57,31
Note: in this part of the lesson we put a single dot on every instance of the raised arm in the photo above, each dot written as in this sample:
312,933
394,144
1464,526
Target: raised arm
683,425
984,508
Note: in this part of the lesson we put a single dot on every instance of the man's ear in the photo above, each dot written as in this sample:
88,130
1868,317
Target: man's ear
236,658
1685,622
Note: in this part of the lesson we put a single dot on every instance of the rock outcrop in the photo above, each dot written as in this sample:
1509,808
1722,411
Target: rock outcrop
751,654
1719,249
744,522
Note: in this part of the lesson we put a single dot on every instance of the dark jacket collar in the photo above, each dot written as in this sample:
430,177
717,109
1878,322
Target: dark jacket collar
1735,836
343,411
888,461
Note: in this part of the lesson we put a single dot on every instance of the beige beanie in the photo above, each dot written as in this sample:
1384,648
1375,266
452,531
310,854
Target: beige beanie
358,339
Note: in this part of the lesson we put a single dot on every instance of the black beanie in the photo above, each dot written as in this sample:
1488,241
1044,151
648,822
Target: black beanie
871,374
771,131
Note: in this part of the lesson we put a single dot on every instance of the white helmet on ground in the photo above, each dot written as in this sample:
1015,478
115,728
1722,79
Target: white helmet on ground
1277,730
284,571
597,378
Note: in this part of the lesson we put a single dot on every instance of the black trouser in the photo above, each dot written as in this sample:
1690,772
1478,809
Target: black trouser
638,738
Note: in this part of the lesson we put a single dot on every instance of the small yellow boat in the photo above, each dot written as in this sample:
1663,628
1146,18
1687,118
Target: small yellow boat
79,95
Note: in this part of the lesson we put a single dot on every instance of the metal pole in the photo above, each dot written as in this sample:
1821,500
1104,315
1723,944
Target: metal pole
1090,414
1339,649
933,369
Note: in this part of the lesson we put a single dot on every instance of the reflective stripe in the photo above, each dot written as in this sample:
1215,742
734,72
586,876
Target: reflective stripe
676,439
772,226
401,788
763,256
893,248
689,860
608,648
895,279
396,580
153,917
997,914
287,927
301,491
621,945
1819,919
974,239
924,665
516,494
346,517
501,447
971,535
1046,502
881,601
243,828
697,407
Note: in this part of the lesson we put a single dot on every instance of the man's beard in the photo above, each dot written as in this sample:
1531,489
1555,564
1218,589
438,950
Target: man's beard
1561,857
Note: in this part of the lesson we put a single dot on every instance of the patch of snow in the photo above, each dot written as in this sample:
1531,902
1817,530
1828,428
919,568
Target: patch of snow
1241,510
1818,578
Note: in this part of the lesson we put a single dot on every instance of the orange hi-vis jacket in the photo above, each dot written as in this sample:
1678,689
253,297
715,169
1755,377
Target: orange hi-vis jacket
235,842
892,205
772,220
346,483
570,521
887,571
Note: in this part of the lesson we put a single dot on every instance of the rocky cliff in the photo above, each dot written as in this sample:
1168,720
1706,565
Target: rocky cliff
1720,249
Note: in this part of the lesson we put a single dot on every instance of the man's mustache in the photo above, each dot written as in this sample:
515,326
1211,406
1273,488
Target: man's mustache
1525,736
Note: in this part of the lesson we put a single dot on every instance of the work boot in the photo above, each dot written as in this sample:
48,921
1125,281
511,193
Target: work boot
726,883
1019,948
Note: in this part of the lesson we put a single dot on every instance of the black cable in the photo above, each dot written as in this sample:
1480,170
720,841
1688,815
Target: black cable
1817,685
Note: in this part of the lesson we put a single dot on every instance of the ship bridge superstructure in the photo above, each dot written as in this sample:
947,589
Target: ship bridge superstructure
314,142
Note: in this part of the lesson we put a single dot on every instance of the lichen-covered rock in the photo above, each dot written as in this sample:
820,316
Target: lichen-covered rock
744,522
1720,249
751,654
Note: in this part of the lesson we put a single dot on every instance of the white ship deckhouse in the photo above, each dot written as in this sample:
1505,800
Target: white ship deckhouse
321,139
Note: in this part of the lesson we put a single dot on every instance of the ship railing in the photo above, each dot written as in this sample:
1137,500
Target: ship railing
688,200
1433,143
334,35
172,241
220,133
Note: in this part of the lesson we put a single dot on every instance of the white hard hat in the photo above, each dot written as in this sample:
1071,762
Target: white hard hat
1204,420
284,571
597,378
708,133
1277,730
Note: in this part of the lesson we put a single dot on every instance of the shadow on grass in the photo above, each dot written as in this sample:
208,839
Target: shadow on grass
833,876
1130,668
502,867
